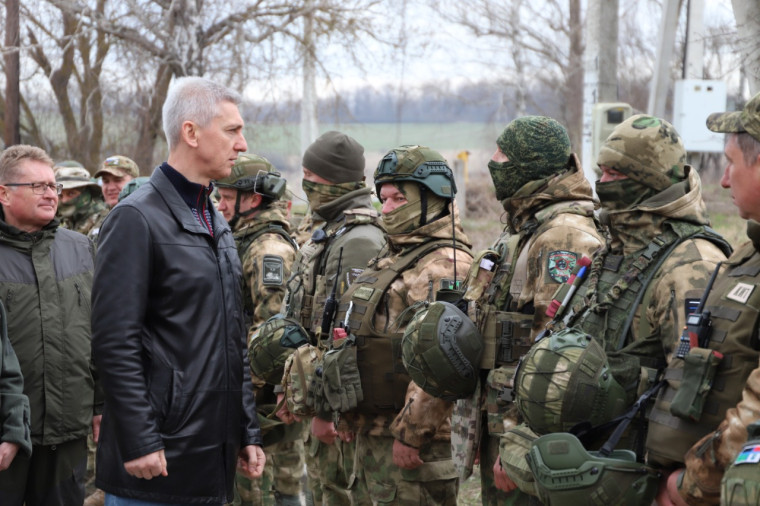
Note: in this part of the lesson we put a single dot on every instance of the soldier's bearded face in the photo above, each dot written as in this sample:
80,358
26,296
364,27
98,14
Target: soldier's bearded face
743,180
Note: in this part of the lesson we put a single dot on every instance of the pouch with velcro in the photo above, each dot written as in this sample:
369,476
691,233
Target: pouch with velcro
514,445
699,368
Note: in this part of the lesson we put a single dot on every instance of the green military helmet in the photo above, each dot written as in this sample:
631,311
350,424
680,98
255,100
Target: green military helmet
646,149
270,347
565,474
132,186
253,173
565,379
441,350
418,164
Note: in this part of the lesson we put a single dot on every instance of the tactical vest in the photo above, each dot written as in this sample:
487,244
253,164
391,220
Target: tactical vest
506,333
734,305
383,376
307,288
242,246
622,282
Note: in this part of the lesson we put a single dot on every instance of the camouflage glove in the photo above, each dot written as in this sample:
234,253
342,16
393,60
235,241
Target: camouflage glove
342,385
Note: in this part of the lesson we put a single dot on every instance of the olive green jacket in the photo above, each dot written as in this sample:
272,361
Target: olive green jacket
45,284
14,405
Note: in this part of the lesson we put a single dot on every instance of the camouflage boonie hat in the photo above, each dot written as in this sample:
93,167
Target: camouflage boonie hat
76,177
746,120
565,379
119,166
646,149
441,350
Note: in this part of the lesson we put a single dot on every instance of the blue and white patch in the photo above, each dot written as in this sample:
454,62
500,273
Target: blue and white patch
560,265
272,270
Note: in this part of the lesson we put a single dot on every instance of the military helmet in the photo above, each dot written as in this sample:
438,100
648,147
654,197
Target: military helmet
646,149
272,345
418,164
441,350
565,473
132,186
253,173
565,379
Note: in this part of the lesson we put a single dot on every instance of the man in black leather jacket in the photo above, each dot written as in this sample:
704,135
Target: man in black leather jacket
168,331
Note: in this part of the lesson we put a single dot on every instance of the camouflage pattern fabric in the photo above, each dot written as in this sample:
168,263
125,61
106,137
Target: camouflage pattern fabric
434,482
536,146
319,194
424,421
266,263
304,227
746,120
283,472
646,149
88,219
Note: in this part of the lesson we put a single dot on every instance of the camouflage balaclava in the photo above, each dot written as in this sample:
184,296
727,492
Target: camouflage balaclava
338,158
319,194
71,175
408,217
650,152
536,146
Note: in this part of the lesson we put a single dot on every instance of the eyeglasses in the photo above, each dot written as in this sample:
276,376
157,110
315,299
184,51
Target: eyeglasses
39,188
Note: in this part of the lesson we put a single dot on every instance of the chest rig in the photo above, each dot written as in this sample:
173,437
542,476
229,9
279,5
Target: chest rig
734,306
244,242
307,287
383,376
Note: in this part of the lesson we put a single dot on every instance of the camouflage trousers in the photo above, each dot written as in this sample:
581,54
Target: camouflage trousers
490,495
380,481
282,476
332,468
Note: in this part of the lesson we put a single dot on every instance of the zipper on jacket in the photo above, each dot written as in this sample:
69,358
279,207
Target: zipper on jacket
79,294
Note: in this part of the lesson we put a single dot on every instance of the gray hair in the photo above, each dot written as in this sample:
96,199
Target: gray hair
749,146
193,99
11,158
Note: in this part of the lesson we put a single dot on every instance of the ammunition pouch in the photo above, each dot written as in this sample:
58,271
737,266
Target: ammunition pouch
700,366
514,445
506,336
340,376
566,473
299,372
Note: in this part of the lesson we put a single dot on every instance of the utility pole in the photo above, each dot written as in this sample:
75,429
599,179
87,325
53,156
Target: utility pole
747,15
12,134
309,99
658,92
600,69
695,40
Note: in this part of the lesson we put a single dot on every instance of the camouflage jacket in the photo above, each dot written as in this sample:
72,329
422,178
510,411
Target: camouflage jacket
266,257
87,221
348,222
424,418
708,458
683,274
559,227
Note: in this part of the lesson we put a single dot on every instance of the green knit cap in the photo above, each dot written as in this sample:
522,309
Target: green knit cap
536,144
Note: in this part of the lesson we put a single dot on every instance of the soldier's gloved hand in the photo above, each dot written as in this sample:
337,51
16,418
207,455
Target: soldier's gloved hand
342,385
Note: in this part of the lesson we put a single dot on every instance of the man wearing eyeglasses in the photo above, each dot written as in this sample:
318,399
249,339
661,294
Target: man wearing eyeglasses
45,282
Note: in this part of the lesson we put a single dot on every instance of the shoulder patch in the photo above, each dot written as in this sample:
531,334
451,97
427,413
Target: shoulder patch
272,270
741,292
560,265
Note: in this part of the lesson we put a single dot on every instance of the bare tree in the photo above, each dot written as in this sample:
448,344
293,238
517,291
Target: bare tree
543,39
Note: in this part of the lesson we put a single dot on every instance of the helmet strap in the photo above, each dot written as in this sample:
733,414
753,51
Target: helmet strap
423,204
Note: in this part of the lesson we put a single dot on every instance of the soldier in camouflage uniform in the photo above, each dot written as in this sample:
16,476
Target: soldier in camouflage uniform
734,305
643,283
250,200
550,226
403,452
82,208
346,227
115,172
